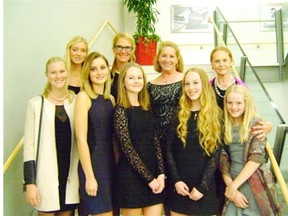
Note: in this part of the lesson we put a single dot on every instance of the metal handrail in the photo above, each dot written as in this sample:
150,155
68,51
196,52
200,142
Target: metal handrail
274,163
20,144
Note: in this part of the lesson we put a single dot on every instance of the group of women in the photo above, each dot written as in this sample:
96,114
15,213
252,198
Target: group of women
108,142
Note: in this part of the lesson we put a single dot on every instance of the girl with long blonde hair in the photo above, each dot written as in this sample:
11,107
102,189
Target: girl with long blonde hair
250,189
193,148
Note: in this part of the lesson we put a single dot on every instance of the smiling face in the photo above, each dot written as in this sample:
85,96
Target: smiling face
57,74
168,59
221,62
99,71
134,80
78,53
123,50
193,86
236,106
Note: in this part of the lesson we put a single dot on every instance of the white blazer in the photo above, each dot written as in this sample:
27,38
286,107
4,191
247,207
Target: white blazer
47,169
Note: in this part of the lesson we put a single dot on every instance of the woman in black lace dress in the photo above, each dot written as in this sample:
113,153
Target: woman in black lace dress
193,149
165,90
140,169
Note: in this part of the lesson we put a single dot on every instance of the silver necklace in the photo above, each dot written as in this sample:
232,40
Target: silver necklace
217,87
231,82
57,99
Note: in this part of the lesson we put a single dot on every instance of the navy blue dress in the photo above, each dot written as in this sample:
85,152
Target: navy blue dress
100,133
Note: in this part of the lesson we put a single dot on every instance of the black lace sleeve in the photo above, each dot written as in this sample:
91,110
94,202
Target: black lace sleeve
172,174
209,173
159,154
122,132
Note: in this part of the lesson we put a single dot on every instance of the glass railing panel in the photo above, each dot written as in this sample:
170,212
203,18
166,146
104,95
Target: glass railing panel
261,96
285,29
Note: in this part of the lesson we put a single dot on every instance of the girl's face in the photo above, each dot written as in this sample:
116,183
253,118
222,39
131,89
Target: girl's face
193,86
78,53
57,75
236,106
123,50
168,59
134,80
99,71
221,62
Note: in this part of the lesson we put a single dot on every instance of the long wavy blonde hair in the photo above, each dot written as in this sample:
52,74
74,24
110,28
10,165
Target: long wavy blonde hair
248,114
209,117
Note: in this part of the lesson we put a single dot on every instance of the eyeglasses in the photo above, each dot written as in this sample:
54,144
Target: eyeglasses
126,48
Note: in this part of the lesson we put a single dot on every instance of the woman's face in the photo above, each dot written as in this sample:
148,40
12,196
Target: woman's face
99,71
134,80
123,50
168,59
78,53
221,62
193,86
57,74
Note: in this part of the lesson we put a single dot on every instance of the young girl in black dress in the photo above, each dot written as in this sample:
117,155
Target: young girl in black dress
140,169
193,149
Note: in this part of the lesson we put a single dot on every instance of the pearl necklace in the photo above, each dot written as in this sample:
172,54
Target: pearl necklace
57,99
217,86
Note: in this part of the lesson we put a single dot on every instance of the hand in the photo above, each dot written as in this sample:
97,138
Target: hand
154,185
182,188
240,200
32,194
261,129
161,180
195,194
91,187
230,192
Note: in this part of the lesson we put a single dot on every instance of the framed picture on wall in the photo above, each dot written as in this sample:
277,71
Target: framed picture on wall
267,15
189,19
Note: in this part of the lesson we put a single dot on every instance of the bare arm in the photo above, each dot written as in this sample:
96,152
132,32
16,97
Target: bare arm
82,106
243,176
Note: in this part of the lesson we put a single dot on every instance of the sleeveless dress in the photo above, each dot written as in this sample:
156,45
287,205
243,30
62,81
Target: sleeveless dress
140,159
165,101
100,133
193,166
75,89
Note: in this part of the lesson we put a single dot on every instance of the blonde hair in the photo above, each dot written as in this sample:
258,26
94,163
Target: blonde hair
76,39
129,38
180,64
248,114
209,117
87,84
48,86
143,95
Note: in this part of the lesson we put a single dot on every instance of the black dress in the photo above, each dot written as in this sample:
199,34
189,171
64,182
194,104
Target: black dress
100,133
63,147
75,89
191,165
165,101
140,159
